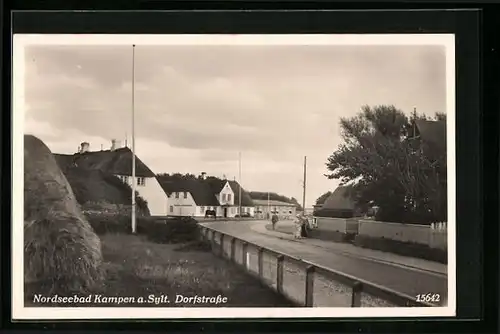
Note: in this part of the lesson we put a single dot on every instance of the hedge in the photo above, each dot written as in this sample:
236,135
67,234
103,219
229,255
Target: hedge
410,249
172,230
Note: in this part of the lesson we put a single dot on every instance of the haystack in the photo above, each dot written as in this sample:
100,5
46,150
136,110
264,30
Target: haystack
62,254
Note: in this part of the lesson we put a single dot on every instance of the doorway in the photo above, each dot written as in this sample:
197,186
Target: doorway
225,212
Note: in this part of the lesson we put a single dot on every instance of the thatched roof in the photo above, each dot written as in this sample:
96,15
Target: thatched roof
433,132
62,254
118,162
340,199
204,191
201,191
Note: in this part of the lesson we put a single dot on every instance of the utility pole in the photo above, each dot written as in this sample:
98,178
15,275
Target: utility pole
304,189
134,225
414,121
239,188
268,206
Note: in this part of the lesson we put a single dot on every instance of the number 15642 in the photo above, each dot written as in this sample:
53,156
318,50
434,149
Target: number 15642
429,298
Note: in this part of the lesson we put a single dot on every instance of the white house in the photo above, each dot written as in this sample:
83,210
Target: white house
264,209
118,161
193,196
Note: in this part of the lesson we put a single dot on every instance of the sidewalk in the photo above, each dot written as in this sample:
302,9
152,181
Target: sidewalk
358,252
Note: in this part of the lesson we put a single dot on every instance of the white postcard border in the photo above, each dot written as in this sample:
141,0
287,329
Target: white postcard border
20,41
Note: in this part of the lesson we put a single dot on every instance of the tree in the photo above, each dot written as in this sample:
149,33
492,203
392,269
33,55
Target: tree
321,200
387,168
299,207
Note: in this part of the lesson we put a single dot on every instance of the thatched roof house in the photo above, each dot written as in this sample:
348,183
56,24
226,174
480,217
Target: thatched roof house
431,132
116,162
339,204
204,191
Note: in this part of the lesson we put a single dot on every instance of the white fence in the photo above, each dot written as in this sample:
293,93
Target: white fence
305,283
349,226
435,235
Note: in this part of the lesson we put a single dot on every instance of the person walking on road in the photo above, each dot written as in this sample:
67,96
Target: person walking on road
274,220
298,227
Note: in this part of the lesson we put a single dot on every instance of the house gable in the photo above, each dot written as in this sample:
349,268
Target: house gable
226,195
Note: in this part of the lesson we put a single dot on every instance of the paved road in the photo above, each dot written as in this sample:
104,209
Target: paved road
404,280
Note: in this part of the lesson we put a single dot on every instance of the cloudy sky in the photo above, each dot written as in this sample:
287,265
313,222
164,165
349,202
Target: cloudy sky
198,106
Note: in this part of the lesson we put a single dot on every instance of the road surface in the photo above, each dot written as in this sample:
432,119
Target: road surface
396,277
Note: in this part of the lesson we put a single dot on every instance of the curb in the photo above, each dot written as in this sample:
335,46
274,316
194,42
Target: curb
432,272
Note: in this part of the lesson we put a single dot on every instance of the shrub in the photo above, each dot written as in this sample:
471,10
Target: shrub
334,213
173,230
61,252
142,204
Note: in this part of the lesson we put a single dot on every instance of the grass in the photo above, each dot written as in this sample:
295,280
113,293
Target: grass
137,267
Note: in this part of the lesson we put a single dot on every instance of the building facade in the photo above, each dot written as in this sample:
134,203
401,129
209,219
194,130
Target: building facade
264,209
194,196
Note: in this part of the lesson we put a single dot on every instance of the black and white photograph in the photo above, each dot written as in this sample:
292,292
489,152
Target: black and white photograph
233,176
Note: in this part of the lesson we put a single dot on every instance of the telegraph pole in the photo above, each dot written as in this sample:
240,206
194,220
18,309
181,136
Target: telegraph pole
268,205
134,223
304,187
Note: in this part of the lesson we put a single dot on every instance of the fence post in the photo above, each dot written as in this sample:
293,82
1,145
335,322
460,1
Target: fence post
261,261
222,244
233,248
309,295
205,234
244,247
279,273
213,241
200,231
356,294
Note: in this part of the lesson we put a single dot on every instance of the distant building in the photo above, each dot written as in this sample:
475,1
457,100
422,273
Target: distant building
194,196
339,204
431,133
264,209
118,161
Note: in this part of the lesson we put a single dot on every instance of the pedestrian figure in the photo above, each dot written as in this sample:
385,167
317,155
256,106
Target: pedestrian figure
298,227
274,220
304,228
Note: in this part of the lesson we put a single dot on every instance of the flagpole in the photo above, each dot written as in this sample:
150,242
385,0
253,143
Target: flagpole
134,225
304,190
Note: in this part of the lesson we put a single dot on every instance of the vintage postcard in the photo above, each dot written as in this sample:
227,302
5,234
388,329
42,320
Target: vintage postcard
233,176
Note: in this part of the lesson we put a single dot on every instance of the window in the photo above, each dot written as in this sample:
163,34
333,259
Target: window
229,197
123,178
202,209
185,194
232,210
223,197
171,209
176,195
141,181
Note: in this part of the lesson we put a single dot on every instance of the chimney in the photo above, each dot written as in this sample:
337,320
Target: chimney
203,175
113,145
84,147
